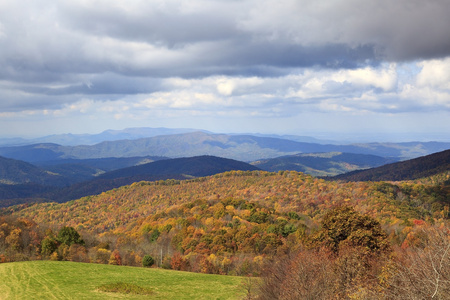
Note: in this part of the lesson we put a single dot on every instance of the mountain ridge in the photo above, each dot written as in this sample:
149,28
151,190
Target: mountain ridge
416,168
239,147
177,168
322,164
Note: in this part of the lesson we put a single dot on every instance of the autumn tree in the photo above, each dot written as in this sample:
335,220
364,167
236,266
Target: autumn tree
422,272
115,258
343,226
338,264
305,275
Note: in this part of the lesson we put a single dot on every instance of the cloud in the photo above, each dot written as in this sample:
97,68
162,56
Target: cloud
252,58
397,30
204,38
435,73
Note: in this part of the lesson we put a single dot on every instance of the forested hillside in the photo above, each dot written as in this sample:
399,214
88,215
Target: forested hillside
229,223
85,169
322,164
197,166
407,170
281,192
177,168
19,172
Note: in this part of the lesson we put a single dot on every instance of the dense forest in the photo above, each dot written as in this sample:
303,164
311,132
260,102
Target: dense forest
240,223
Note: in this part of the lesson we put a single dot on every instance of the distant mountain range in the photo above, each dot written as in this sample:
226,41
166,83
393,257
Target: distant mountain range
246,148
323,164
406,170
92,139
132,134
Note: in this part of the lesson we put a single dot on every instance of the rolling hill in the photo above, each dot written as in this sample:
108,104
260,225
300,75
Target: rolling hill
19,172
50,280
236,219
406,170
79,170
230,223
178,168
322,164
198,166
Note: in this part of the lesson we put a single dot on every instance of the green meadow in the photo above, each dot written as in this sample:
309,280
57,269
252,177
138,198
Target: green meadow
70,280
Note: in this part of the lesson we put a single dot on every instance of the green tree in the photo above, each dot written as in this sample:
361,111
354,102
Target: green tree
48,246
147,261
68,236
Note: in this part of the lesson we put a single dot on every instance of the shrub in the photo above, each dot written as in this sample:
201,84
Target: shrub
147,261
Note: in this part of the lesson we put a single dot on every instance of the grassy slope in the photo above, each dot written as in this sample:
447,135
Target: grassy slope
69,280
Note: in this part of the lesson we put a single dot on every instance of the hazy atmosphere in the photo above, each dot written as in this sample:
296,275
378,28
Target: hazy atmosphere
378,69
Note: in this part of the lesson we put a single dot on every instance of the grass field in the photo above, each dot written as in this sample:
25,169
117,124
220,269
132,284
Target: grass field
69,280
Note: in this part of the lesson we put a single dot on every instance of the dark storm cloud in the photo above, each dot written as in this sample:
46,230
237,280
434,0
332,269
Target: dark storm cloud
107,84
172,38
212,36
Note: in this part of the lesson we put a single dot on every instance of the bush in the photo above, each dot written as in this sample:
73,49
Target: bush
147,261
422,272
304,275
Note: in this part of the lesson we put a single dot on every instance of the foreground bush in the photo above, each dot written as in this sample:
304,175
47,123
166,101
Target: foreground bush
419,272
422,272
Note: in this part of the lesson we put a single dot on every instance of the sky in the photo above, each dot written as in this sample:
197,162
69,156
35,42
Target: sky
374,69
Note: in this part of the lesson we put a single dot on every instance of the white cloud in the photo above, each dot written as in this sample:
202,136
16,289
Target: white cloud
435,73
225,87
384,78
